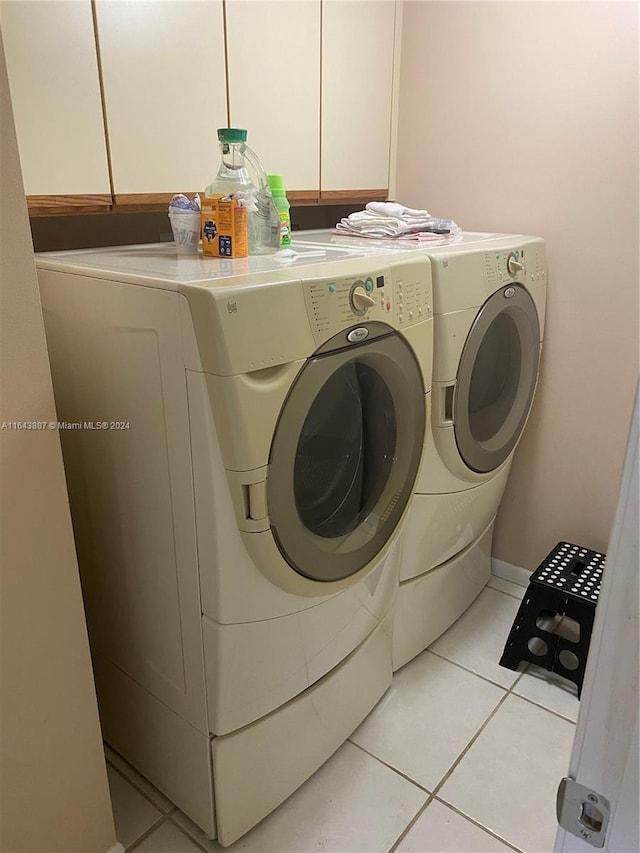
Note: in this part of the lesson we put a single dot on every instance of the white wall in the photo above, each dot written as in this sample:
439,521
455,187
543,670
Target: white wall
523,117
54,796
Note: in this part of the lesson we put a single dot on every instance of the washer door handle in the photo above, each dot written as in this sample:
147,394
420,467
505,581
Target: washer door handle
257,500
447,403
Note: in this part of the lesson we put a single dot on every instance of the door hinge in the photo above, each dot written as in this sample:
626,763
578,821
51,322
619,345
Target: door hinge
582,812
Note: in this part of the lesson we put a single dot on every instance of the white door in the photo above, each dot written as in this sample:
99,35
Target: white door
163,68
274,85
605,750
357,87
55,92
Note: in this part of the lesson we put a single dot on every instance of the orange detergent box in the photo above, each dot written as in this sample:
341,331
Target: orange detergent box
223,228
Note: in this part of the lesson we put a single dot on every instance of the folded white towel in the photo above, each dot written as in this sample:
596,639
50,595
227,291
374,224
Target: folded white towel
389,220
381,227
363,220
453,236
392,208
385,219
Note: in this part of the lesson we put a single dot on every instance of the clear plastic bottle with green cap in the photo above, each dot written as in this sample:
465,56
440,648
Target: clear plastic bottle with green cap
233,174
282,206
241,174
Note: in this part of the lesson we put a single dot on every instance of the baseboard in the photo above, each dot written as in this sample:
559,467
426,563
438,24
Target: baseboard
117,848
509,572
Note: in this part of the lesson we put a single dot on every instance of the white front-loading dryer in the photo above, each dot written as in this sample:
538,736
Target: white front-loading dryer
489,310
237,519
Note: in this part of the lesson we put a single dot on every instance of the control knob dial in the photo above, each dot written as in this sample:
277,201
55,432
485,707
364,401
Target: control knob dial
360,299
513,264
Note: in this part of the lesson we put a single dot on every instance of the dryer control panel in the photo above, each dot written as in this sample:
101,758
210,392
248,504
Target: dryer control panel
399,295
526,264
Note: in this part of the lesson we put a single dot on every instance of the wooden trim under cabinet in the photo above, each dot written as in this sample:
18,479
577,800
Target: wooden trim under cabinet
158,200
146,201
303,198
352,196
51,205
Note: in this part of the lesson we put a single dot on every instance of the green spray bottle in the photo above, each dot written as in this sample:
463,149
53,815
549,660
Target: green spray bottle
282,205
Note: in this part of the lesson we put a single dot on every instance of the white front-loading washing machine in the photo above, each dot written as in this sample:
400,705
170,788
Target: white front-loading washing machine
489,297
241,443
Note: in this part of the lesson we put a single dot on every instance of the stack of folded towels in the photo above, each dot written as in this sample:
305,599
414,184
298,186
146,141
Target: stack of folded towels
389,220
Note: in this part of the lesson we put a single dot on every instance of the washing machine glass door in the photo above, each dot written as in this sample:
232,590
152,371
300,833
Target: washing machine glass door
496,378
345,455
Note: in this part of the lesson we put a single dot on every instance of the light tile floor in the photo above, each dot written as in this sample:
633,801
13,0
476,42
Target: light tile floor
459,756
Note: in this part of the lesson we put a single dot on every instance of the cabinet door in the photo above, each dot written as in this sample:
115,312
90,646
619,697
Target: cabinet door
357,85
55,90
164,91
274,84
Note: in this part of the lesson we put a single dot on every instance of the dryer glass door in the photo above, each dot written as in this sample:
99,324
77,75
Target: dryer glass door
345,456
496,378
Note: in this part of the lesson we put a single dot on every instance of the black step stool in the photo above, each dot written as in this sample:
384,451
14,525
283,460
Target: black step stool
566,583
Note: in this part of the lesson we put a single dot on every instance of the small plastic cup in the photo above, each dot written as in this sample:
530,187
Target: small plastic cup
185,225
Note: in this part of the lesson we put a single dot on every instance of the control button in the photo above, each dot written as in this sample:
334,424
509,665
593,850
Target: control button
428,307
399,318
419,312
369,284
411,315
388,306
332,288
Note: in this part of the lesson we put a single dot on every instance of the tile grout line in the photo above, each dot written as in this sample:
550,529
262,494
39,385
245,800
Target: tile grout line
133,784
487,586
138,841
166,816
537,704
432,795
473,672
391,767
411,824
186,834
475,737
472,820
501,686
504,592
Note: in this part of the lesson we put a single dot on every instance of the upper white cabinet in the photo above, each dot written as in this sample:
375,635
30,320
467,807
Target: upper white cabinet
55,91
124,97
163,66
357,85
274,84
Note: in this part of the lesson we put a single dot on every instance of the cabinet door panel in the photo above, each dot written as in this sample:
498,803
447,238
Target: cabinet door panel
274,84
357,78
55,90
164,90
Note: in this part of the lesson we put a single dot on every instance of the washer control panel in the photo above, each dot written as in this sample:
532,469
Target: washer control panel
526,264
399,296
